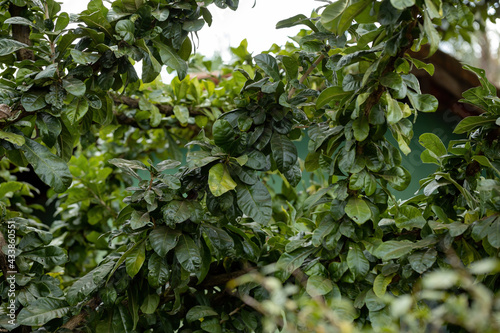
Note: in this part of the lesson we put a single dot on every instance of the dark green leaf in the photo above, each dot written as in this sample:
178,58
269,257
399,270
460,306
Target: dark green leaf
163,239
50,168
255,201
188,254
269,65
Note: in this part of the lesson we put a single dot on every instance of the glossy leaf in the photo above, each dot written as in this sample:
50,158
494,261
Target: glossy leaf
50,168
219,180
255,201
188,253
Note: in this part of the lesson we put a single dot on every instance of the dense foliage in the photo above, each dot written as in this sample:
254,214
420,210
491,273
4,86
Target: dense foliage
182,207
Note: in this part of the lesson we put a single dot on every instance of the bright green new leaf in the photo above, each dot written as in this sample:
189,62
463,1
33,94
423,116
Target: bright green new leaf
358,210
331,94
12,138
135,259
380,284
332,11
219,180
470,123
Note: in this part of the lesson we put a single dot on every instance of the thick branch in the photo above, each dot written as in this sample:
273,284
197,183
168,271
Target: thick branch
21,33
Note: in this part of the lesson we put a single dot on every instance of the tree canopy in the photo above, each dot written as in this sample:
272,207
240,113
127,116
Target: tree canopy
130,205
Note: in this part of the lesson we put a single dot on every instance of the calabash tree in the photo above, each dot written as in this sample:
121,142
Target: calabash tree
154,207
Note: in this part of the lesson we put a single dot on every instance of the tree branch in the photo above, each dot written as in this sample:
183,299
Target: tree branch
213,281
307,73
21,33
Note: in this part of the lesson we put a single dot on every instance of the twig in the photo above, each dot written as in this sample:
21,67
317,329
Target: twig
306,74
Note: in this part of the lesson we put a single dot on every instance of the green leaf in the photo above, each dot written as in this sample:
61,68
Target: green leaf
494,234
361,128
349,14
332,11
331,94
289,262
126,29
135,259
433,143
211,325
323,230
269,65
380,284
9,46
20,21
177,211
423,102
421,261
76,110
409,217
431,33
47,256
283,151
188,254
358,210
219,180
394,112
296,20
158,272
150,303
318,285
170,58
470,123
33,100
41,311
291,67
89,283
161,14
74,86
181,112
194,25
12,138
163,239
402,4
199,312
393,249
51,169
255,201
357,262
